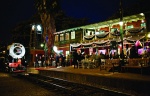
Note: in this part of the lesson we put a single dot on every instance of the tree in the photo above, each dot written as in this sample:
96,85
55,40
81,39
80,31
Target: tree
52,18
47,10
21,33
50,11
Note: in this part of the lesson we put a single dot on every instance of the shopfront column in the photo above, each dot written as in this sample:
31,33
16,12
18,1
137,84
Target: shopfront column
83,34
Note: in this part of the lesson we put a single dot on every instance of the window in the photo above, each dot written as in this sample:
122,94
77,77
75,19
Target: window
61,37
86,34
97,33
56,38
67,53
67,36
131,26
100,32
89,33
143,25
73,35
113,29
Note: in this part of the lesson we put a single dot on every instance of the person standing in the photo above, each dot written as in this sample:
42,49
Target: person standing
36,61
79,58
57,60
62,60
43,61
75,58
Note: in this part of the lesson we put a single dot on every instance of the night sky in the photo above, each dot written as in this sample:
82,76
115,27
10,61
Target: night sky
16,11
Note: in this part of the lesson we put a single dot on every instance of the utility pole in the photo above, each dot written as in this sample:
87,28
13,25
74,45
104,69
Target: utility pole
121,31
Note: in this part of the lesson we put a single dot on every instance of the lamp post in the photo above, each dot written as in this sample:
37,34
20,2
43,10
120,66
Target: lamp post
35,34
44,45
121,31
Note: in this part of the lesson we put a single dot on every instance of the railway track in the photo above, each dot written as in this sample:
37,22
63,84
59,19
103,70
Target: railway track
68,88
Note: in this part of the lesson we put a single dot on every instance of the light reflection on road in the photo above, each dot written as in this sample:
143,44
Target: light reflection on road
4,74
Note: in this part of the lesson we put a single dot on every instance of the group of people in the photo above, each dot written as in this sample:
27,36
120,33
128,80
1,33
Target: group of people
39,61
77,57
42,61
94,58
60,60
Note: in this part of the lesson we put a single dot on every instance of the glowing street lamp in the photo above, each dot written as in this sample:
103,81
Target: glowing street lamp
42,45
39,28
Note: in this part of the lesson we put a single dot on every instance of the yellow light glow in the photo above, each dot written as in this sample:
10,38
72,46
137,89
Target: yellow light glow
148,35
120,23
142,14
42,45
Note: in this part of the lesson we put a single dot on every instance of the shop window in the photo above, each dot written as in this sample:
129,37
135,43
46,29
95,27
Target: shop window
129,27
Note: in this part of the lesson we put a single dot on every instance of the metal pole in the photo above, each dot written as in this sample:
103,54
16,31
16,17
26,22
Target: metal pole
45,54
121,31
45,49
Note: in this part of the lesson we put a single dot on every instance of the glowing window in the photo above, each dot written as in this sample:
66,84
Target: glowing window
67,36
73,35
61,37
56,37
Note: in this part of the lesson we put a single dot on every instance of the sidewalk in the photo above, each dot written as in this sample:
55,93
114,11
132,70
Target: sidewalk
130,83
95,72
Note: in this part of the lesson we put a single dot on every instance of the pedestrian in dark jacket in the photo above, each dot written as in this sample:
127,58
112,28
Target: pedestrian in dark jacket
79,56
57,60
75,58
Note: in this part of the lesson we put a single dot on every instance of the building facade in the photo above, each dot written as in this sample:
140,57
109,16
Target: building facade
103,37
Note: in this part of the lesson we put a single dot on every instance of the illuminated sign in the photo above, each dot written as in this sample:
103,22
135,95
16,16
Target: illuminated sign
17,50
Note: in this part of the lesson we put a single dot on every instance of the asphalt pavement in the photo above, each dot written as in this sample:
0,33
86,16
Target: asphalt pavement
12,86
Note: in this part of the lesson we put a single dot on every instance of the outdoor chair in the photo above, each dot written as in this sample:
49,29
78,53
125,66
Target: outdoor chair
110,64
136,63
